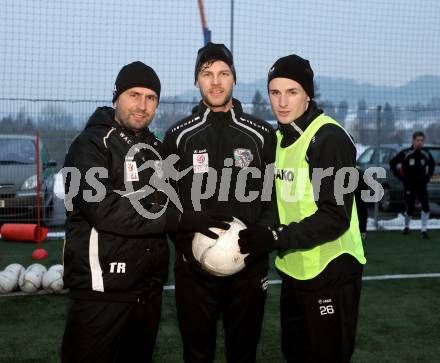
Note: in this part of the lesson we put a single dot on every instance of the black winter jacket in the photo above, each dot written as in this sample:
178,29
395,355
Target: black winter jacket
110,247
413,167
228,142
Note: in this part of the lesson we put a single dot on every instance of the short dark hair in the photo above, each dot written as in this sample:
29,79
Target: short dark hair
212,52
417,134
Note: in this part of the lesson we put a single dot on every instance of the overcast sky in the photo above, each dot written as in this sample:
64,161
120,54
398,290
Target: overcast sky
60,49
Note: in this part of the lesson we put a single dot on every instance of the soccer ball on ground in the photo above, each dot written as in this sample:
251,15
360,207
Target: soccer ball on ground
221,256
57,268
30,280
37,267
15,268
8,281
53,280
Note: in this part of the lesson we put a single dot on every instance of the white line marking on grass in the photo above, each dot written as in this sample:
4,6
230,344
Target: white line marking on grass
271,282
36,293
400,277
382,277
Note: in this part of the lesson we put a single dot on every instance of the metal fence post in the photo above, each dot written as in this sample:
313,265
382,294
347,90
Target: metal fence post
377,157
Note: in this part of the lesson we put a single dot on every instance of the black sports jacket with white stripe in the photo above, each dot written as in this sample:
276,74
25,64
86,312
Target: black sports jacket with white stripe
414,167
110,247
220,148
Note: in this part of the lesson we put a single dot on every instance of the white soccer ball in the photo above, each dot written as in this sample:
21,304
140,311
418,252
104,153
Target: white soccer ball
53,281
15,268
37,267
222,256
30,280
57,268
20,277
8,281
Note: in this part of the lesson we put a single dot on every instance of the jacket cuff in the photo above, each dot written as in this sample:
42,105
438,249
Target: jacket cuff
282,242
172,221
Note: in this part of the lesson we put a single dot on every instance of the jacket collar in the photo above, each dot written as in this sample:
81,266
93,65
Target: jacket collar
200,110
295,129
105,116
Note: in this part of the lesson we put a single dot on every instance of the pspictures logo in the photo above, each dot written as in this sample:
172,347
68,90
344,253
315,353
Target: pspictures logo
158,181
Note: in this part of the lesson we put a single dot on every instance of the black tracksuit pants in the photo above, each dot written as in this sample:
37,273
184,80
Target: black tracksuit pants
101,331
319,325
238,300
416,191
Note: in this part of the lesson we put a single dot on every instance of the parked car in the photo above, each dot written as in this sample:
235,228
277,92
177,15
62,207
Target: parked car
18,179
393,187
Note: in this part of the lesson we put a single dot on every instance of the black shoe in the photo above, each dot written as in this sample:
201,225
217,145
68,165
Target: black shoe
425,235
406,231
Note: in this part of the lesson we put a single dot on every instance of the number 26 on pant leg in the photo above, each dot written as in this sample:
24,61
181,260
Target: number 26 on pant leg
326,309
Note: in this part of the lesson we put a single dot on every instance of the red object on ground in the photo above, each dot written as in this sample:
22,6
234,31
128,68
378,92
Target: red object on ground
23,232
29,232
39,254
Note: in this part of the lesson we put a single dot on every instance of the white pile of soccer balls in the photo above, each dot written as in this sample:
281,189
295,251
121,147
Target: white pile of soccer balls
32,279
222,256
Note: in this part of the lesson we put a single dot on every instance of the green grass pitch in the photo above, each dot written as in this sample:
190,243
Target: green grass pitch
399,321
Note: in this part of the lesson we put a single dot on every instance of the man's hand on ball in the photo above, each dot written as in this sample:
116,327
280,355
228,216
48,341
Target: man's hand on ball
192,221
256,239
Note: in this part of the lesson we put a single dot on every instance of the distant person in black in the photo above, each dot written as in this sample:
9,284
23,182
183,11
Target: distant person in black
414,166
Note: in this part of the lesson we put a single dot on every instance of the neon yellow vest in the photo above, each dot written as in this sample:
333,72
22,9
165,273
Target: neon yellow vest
296,201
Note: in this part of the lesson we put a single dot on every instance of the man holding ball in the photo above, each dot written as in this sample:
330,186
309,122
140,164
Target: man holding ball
221,145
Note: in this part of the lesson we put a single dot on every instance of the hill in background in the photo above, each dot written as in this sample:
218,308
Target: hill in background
420,90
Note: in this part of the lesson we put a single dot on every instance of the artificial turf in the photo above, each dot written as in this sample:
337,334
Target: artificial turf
398,319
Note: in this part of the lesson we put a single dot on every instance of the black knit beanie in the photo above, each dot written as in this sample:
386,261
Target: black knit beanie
214,52
294,68
136,74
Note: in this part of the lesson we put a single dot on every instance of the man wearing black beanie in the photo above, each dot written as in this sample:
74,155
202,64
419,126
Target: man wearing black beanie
116,252
221,142
320,253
